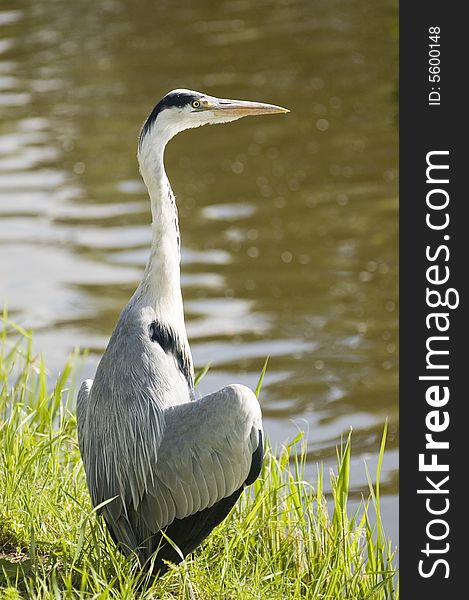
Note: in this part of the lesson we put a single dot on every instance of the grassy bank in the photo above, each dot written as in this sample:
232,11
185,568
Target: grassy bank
279,542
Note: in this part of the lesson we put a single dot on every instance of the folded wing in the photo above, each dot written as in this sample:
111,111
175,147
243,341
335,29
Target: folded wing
208,451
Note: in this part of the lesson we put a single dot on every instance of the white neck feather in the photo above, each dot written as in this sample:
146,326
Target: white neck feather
161,286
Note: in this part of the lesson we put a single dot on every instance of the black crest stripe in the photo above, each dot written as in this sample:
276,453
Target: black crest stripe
178,99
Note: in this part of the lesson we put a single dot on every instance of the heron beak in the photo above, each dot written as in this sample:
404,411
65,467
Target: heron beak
241,108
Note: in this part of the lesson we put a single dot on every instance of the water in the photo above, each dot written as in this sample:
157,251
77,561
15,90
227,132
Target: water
289,223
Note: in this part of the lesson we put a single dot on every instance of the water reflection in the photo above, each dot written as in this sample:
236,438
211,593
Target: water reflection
288,224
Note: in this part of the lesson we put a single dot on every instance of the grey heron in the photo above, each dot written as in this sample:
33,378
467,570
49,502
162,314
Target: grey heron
156,458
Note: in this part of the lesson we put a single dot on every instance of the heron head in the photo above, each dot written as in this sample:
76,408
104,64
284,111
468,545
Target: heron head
184,109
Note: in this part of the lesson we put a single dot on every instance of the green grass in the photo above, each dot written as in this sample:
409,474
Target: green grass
281,541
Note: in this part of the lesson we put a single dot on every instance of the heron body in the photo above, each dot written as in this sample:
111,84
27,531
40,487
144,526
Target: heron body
156,458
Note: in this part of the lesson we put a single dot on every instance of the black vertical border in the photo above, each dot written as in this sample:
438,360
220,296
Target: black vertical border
424,128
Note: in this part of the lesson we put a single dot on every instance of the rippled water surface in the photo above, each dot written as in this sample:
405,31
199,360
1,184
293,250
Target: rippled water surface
289,223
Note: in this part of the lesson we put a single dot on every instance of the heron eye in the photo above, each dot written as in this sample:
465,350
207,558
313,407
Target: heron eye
195,104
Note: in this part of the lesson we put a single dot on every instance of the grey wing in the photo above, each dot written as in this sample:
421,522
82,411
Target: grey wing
86,434
206,451
209,450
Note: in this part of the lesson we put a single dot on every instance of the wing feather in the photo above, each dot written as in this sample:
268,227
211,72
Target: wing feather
82,407
201,481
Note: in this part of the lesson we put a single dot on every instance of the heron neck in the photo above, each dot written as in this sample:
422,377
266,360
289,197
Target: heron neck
161,283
